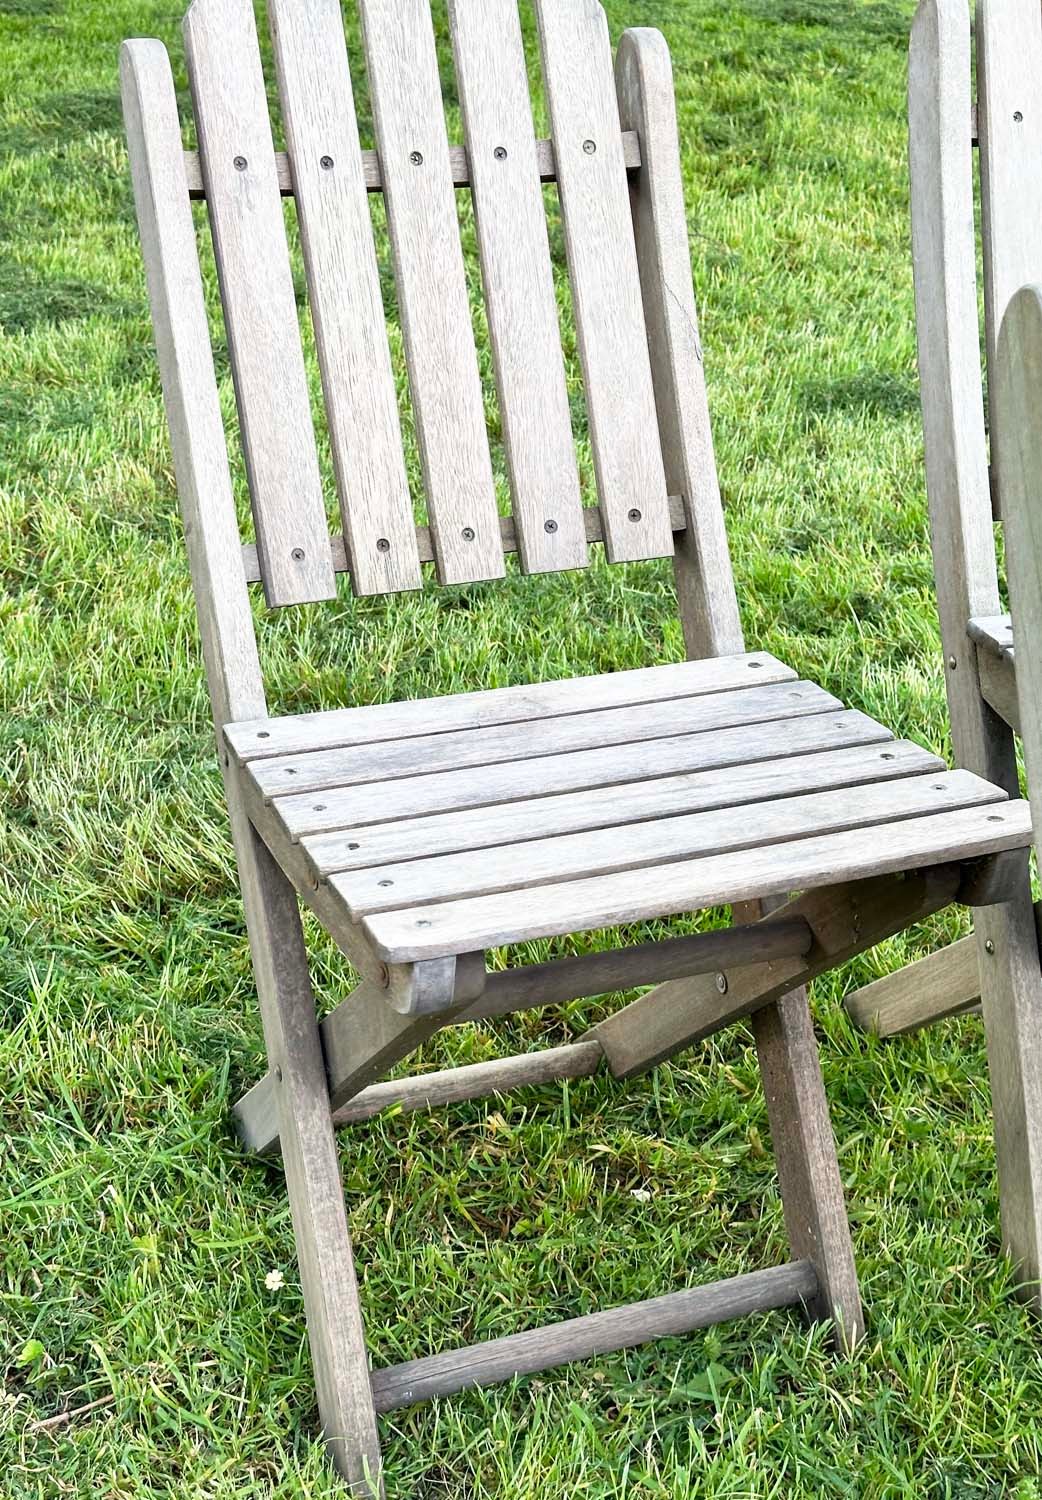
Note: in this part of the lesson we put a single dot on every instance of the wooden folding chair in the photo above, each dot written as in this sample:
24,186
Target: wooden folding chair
1001,959
422,834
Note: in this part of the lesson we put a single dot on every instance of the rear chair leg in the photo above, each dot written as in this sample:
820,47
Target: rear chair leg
313,1184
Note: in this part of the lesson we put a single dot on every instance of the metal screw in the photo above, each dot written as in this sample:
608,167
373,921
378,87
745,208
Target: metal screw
423,923
326,163
589,147
467,533
634,514
385,883
297,554
721,983
550,526
385,976
753,664
240,163
416,157
995,818
887,755
1018,117
952,663
319,807
278,1073
353,846
989,946
262,734
382,544
500,153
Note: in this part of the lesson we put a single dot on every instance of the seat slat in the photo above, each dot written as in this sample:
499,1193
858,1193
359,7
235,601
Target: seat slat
690,885
299,733
582,769
357,848
435,313
516,272
602,261
346,301
373,173
421,755
574,856
256,282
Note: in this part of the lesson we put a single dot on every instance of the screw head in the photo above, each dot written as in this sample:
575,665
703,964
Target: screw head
416,157
383,884
550,526
589,147
500,153
634,514
240,163
326,163
467,533
1017,116
278,1073
721,983
952,663
989,946
297,554
423,922
262,734
382,544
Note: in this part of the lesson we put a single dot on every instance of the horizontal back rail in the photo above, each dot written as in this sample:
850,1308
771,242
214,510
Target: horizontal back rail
459,161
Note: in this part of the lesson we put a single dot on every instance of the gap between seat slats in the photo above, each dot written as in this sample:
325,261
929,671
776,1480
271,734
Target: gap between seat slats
374,176
591,518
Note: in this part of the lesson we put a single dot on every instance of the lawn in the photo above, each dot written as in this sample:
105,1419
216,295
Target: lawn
137,1237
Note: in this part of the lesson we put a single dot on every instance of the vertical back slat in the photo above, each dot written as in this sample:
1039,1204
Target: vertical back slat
435,312
1009,81
346,301
591,175
518,282
256,281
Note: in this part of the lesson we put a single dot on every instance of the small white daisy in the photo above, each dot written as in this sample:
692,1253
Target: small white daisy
642,1195
274,1280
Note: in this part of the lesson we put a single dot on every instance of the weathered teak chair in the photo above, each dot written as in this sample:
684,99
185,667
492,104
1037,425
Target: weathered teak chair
423,834
1001,958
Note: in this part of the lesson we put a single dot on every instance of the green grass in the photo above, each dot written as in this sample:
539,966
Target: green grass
136,1235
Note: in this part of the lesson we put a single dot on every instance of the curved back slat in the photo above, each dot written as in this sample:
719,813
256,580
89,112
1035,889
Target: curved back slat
346,301
271,387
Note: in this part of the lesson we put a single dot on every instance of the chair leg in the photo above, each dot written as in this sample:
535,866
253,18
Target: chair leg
805,1153
309,1156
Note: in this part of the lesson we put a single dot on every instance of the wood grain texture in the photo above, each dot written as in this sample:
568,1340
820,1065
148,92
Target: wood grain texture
423,755
642,846
299,733
372,172
941,984
944,262
514,249
598,1333
705,583
996,666
613,766
542,817
448,402
602,262
260,310
346,300
490,921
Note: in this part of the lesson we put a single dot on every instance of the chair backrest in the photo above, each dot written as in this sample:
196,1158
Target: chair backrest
504,166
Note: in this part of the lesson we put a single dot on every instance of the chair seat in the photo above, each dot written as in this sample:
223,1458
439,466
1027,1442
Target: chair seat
455,824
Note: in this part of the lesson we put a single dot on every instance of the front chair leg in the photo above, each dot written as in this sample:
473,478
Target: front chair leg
313,1185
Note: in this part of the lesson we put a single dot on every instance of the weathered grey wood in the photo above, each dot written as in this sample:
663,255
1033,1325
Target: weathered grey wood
996,666
459,163
1008,37
588,974
363,847
602,262
280,964
495,744
254,1117
346,300
238,160
432,290
261,739
941,984
597,1333
516,272
996,633
705,584
808,1170
644,846
846,920
612,766
944,261
423,989
421,932
591,516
